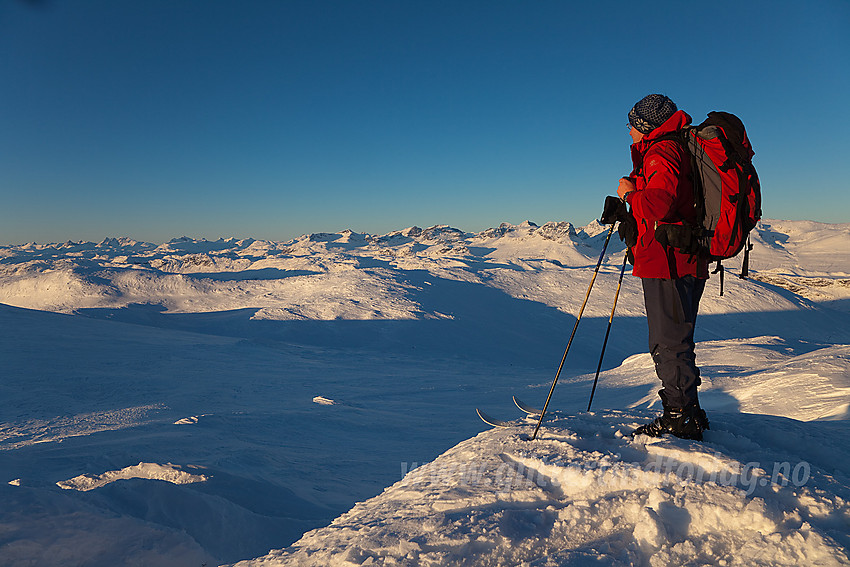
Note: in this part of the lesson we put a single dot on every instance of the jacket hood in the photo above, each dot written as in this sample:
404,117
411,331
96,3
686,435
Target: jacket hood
679,120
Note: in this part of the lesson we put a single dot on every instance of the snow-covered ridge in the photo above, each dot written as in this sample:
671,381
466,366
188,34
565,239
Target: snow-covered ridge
188,255
349,275
344,275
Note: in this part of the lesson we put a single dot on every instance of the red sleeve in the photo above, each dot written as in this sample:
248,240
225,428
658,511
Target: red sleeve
655,198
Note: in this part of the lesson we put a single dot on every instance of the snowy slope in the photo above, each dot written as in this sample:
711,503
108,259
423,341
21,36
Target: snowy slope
761,491
208,401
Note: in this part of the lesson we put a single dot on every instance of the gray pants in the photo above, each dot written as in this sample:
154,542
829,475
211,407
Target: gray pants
671,311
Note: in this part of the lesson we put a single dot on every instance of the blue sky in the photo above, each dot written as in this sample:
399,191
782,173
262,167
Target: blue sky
270,119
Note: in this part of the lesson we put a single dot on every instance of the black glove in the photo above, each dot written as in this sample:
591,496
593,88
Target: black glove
628,230
614,210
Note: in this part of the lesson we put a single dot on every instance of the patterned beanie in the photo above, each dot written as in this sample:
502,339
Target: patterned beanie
651,112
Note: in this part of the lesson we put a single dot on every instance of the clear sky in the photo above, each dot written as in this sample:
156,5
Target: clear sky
269,119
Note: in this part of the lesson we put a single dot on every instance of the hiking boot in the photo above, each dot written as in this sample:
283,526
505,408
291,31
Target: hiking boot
685,423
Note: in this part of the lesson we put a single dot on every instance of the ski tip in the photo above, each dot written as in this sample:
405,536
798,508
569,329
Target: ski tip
526,408
491,421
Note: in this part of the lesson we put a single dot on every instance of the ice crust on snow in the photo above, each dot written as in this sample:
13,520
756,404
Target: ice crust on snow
31,431
108,345
191,420
151,471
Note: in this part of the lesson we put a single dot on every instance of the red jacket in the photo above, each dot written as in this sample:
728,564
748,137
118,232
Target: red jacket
664,195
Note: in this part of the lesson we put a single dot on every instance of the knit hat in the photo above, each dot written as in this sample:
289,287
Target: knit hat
651,112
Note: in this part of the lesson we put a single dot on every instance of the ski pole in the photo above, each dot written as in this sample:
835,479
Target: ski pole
608,332
570,342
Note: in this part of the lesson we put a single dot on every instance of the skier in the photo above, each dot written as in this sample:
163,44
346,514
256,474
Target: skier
660,191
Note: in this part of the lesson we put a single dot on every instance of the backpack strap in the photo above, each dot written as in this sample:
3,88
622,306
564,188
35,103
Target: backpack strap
744,169
695,233
745,265
719,270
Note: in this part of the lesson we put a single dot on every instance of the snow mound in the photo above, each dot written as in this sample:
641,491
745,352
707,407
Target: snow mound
760,490
151,471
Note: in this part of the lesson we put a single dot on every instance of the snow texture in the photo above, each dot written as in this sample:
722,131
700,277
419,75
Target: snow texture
151,471
312,402
586,493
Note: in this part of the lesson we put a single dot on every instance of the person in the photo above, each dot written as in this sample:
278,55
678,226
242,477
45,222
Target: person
659,191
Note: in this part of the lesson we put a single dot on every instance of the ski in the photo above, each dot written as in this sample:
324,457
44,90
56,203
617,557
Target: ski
530,412
526,408
492,421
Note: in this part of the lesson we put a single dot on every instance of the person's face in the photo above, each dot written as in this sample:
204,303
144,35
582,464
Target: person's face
636,136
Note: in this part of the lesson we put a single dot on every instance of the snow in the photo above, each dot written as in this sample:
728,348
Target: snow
586,493
312,402
151,471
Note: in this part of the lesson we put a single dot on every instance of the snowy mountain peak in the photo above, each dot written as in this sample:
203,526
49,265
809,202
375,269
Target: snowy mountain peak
557,231
412,232
595,228
442,233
